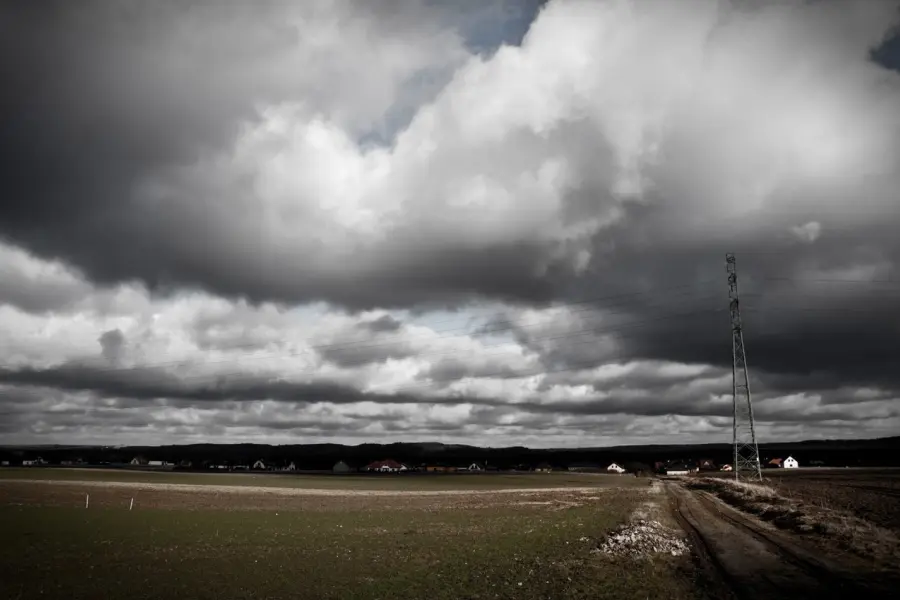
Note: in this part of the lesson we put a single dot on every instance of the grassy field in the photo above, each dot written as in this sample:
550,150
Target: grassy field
220,545
479,481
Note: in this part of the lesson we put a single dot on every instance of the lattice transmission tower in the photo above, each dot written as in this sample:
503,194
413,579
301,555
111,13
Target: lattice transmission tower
746,452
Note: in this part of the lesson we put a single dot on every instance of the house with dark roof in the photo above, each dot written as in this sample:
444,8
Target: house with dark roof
340,467
707,464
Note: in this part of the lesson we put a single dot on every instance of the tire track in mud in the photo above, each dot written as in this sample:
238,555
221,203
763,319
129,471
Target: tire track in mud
840,583
740,559
716,579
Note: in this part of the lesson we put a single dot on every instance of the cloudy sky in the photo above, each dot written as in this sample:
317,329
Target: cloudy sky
500,223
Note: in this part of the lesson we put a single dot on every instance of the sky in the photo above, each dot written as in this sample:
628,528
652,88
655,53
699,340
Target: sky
500,223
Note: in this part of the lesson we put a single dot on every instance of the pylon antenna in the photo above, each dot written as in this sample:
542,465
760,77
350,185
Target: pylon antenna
746,452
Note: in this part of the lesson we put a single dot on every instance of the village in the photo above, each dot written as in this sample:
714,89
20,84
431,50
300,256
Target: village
671,467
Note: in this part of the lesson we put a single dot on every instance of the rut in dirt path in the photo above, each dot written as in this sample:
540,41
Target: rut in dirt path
743,559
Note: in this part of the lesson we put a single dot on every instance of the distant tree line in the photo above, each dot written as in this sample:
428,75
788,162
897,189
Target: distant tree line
313,457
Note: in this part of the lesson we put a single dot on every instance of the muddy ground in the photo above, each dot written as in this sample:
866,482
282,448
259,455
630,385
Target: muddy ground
871,494
743,558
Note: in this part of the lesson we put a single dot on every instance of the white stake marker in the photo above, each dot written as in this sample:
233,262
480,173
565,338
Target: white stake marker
130,506
87,500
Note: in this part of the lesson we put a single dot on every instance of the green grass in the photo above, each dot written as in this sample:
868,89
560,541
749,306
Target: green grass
488,552
485,481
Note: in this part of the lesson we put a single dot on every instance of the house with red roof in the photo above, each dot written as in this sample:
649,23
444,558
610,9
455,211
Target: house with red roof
386,466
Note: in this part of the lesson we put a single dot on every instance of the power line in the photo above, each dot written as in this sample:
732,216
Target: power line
594,330
356,343
504,374
502,328
843,281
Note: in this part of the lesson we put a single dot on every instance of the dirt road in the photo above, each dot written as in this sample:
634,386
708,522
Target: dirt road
742,558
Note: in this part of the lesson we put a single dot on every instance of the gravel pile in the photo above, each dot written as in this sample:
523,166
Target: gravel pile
643,538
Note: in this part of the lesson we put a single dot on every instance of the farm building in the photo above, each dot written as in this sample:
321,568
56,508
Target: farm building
290,467
259,465
138,460
157,463
584,466
386,466
775,463
680,469
615,468
438,469
726,468
790,463
475,467
543,467
707,464
340,467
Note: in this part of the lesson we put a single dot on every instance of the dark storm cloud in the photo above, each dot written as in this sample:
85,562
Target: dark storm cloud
384,323
348,355
100,96
155,389
112,343
451,369
152,384
132,147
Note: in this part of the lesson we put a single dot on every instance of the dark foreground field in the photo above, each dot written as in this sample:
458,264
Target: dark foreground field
230,542
871,494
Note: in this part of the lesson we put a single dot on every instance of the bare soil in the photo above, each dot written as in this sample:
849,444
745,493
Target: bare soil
873,495
743,558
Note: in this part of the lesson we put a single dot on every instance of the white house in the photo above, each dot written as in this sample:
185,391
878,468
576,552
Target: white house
790,463
157,463
614,468
290,467
259,465
475,467
27,463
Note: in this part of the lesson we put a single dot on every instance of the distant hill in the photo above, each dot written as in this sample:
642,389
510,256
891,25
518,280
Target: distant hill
872,452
